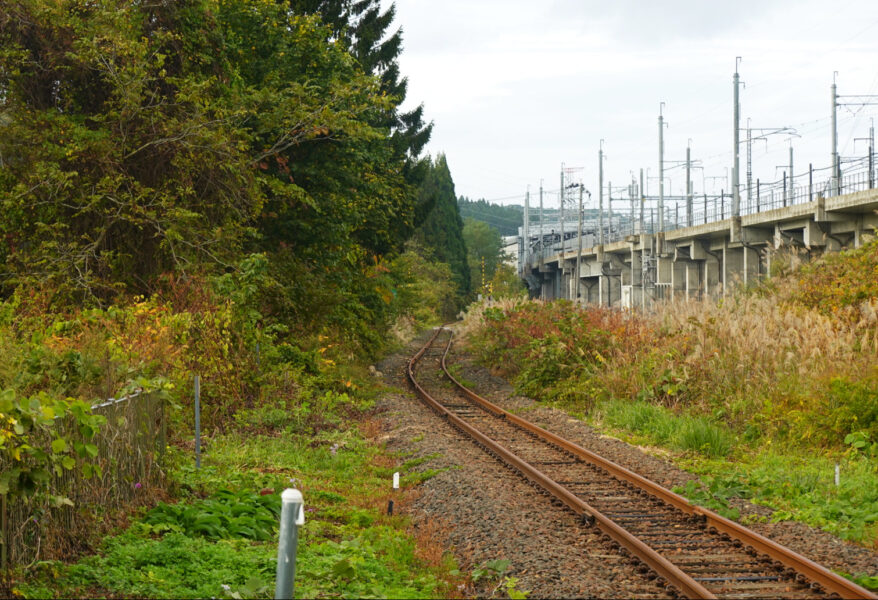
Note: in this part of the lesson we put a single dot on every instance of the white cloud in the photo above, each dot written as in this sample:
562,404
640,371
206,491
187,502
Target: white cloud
516,88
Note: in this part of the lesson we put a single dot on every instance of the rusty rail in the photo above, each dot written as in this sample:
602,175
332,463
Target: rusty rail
659,564
814,572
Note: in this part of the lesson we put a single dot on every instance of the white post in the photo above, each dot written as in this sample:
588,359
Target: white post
291,517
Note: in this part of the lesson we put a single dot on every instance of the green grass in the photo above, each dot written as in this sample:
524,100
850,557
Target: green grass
347,548
802,487
659,425
797,485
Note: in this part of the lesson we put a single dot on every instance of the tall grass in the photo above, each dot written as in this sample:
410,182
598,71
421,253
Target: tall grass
792,358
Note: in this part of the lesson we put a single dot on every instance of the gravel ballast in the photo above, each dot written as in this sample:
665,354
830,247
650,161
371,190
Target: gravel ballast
489,512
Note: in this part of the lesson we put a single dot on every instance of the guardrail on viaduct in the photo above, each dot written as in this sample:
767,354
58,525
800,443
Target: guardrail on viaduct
700,250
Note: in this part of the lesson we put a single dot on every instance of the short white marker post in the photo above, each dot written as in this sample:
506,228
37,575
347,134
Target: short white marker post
292,515
396,487
837,473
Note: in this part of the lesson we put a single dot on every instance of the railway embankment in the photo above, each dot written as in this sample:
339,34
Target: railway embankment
768,399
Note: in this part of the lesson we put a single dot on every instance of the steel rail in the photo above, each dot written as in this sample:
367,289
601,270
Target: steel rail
675,577
816,573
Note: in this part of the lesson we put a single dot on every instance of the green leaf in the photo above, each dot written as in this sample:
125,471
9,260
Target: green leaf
59,445
41,475
59,501
343,569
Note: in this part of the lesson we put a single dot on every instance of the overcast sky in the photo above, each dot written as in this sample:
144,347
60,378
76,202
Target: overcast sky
516,88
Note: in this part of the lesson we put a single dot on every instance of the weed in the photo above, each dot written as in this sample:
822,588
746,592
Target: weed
714,493
700,435
226,515
411,464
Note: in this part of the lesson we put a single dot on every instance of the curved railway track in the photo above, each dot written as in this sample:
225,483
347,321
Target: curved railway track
694,550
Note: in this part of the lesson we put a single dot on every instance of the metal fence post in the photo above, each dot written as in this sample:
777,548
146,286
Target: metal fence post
292,515
4,538
810,182
197,421
757,195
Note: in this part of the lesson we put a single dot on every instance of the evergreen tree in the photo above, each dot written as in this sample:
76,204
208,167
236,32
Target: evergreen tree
363,26
484,250
505,219
441,233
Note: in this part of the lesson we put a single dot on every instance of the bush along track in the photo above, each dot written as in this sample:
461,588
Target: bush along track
220,540
762,393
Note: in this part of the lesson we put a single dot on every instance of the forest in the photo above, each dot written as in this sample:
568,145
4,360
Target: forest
223,188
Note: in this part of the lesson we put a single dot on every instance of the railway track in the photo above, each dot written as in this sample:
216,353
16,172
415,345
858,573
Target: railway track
697,552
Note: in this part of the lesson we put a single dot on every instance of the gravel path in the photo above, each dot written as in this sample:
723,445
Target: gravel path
492,513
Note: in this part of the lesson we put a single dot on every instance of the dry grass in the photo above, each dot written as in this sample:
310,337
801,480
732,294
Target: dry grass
796,356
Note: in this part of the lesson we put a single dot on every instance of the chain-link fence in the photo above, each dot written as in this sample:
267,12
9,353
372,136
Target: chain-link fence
130,452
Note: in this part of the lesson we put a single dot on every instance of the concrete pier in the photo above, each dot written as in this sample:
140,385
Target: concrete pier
706,259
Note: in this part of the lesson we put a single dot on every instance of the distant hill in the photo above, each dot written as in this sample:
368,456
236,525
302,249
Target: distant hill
505,219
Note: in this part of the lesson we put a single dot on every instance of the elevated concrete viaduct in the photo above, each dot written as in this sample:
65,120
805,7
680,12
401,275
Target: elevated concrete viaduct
634,270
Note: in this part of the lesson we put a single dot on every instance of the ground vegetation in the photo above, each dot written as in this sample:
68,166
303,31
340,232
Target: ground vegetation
765,389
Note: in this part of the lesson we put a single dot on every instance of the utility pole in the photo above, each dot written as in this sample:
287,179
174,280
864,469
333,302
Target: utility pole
661,208
601,193
736,124
642,202
860,100
610,211
835,163
688,185
871,152
561,196
632,192
792,193
526,230
749,164
542,239
579,248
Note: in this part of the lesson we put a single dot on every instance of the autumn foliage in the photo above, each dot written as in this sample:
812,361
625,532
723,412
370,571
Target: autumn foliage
795,359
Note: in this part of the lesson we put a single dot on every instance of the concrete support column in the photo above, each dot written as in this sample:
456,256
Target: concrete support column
858,233
593,291
751,265
712,276
733,266
693,279
636,271
614,291
679,271
831,245
724,268
664,268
